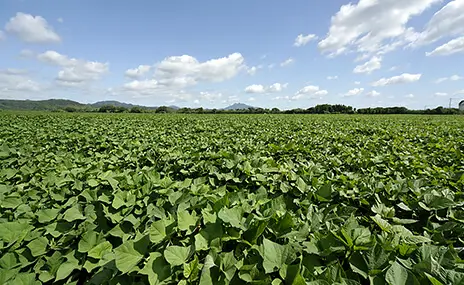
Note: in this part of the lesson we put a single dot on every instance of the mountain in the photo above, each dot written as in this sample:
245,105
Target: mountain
60,104
113,103
238,106
41,105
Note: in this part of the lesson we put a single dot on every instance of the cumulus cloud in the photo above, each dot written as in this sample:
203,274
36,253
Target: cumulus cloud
190,70
252,70
32,29
410,96
373,93
449,48
310,91
255,88
303,40
138,71
287,62
332,77
12,80
357,83
400,79
372,26
74,71
354,92
259,89
368,67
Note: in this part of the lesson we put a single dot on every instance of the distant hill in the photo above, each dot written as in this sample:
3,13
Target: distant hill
238,106
60,104
42,105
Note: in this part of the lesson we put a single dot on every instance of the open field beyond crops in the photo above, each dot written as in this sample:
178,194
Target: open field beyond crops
231,199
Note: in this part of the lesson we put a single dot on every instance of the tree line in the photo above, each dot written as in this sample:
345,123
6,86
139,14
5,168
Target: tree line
318,109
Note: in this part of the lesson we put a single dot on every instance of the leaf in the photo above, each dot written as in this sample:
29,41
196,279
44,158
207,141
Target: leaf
186,221
12,231
176,255
38,246
100,250
25,279
232,216
127,257
156,268
88,241
157,231
397,275
92,182
47,215
275,255
73,214
65,269
325,191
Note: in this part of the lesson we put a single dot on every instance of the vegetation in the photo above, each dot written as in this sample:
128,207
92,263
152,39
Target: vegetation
205,199
118,107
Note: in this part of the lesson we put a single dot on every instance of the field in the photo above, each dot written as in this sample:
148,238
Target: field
231,199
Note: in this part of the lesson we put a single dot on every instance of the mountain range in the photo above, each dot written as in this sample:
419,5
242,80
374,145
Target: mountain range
60,104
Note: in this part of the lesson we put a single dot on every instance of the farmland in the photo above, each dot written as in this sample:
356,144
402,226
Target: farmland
231,199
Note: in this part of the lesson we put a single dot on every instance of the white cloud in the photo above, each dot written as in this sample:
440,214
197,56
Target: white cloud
32,29
137,72
332,77
448,21
271,66
451,78
287,62
251,99
309,91
357,83
188,67
60,20
12,80
393,68
410,96
255,88
74,71
449,48
441,94
303,40
373,93
252,70
400,79
259,89
372,26
354,92
368,67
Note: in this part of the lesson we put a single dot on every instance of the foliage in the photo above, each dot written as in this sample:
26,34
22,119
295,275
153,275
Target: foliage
204,199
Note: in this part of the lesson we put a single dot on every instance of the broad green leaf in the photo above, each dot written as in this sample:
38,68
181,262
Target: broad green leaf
47,215
186,221
397,275
12,231
275,255
65,269
176,255
88,241
73,214
157,269
38,246
127,257
232,216
157,231
100,250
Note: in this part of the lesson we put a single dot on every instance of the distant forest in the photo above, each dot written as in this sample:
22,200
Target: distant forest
58,105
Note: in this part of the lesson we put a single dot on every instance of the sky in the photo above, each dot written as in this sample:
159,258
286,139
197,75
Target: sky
265,53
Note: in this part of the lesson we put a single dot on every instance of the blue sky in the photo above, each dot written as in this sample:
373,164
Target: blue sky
284,54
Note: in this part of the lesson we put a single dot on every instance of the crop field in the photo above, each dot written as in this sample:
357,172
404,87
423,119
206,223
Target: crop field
231,199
